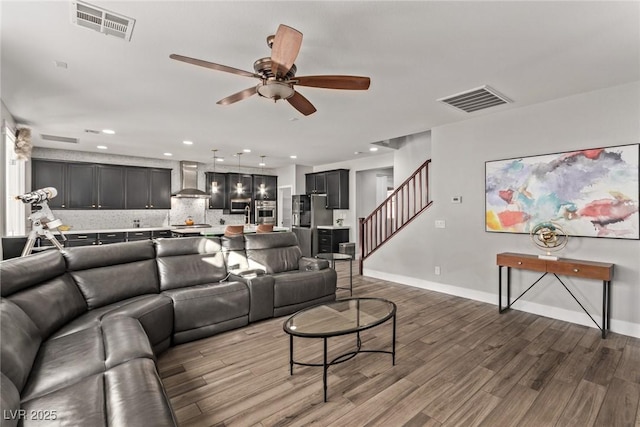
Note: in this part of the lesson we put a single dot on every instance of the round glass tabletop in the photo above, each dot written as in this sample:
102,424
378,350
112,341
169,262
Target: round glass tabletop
340,317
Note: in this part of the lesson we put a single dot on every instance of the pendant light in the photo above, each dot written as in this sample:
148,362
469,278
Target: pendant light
239,183
214,184
262,186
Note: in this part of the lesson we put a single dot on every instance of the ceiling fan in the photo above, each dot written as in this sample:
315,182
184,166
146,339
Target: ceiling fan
277,73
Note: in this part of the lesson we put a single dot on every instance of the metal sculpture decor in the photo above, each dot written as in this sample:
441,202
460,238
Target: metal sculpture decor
592,192
549,237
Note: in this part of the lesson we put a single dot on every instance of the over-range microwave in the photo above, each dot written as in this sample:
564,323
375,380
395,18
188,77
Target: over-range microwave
239,206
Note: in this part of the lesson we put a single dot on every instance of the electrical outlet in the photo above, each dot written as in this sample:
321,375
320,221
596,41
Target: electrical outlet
440,223
456,199
437,270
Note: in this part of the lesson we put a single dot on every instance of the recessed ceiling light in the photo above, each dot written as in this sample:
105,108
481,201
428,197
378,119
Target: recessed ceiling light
293,157
187,142
220,159
102,147
262,164
108,131
373,149
168,154
246,150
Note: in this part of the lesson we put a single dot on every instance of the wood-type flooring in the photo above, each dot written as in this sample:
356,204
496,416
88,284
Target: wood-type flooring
458,363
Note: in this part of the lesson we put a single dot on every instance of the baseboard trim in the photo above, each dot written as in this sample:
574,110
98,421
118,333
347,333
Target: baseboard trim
580,318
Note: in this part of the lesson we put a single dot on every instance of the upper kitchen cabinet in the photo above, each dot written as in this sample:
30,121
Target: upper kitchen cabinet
147,188
244,191
99,186
265,187
337,189
333,183
216,187
46,173
315,183
91,186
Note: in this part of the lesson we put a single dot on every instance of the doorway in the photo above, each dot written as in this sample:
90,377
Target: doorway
284,205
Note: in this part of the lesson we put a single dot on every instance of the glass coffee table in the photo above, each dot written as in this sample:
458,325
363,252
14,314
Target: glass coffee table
342,317
333,257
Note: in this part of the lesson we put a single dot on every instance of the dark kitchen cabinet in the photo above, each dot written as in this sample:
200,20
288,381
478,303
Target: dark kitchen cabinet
81,186
148,188
218,199
232,186
110,186
337,189
315,183
160,192
330,239
99,186
333,183
270,191
46,173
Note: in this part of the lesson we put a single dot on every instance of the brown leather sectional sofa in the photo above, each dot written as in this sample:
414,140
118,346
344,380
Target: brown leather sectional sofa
81,328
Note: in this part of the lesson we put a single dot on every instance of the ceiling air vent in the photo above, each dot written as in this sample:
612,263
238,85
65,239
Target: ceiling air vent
476,99
101,20
55,138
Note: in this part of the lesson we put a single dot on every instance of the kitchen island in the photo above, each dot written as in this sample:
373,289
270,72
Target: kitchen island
216,230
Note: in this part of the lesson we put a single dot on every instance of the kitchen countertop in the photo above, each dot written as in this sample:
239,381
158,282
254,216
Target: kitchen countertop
113,230
333,227
218,230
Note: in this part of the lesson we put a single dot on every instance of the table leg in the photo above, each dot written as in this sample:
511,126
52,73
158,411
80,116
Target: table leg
393,343
608,305
325,367
351,277
290,354
499,289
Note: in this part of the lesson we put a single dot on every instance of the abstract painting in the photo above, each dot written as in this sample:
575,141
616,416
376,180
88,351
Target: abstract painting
592,192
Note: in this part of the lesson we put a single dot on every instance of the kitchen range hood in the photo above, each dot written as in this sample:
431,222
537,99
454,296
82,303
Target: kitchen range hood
189,182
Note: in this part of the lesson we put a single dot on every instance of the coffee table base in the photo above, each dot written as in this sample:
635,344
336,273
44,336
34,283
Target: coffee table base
343,357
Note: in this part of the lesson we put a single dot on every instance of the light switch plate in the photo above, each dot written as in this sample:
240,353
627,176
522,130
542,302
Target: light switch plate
456,199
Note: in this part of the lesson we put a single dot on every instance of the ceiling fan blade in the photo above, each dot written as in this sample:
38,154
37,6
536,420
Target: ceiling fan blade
334,82
301,104
284,51
213,66
243,94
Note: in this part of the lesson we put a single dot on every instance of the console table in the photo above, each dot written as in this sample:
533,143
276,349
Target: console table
564,266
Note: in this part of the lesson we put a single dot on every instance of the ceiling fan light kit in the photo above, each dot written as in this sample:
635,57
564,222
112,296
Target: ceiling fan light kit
277,74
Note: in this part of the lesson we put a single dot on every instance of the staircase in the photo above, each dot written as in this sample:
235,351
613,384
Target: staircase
399,209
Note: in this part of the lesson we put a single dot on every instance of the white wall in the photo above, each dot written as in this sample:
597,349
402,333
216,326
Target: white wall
467,254
414,151
5,119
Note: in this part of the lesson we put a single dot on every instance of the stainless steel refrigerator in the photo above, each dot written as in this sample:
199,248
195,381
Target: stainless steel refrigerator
309,211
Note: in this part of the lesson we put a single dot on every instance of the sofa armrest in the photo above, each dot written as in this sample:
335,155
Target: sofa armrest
312,264
248,274
260,294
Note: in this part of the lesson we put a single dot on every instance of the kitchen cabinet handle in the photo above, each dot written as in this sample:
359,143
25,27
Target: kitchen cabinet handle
151,205
111,235
146,206
81,237
93,206
63,206
99,206
137,234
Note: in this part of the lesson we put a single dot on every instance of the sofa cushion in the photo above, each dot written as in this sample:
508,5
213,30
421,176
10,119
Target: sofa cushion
9,402
203,305
109,273
273,252
66,360
189,261
23,273
295,287
270,240
154,312
235,256
51,304
82,403
20,343
135,396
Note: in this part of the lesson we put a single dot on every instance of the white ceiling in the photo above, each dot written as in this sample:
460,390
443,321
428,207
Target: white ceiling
414,52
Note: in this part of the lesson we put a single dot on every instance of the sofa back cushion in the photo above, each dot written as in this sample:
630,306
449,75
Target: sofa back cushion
189,261
39,285
20,343
9,402
114,272
22,273
273,252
